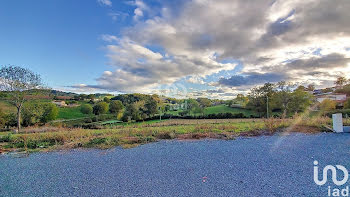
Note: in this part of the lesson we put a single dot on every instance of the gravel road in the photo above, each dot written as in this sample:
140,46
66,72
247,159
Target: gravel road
257,166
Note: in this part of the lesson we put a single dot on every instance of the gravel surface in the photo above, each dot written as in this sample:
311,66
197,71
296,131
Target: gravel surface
257,166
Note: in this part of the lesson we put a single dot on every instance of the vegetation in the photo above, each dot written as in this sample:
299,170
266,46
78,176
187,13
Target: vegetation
36,112
130,135
226,109
17,81
86,109
100,108
347,104
94,120
280,97
327,105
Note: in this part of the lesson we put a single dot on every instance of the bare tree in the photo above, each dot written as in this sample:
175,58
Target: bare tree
17,82
340,81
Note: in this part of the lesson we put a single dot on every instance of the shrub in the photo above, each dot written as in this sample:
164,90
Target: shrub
327,105
86,109
347,104
50,113
100,108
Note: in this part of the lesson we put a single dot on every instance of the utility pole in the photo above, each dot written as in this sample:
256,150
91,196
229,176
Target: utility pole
267,106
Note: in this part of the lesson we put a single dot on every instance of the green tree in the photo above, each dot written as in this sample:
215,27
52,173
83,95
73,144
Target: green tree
193,106
116,107
301,100
204,102
10,120
151,107
259,97
240,100
283,96
132,112
17,82
32,113
86,109
100,108
106,99
327,105
50,113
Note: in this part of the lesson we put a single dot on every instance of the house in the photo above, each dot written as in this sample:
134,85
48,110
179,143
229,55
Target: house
60,103
338,97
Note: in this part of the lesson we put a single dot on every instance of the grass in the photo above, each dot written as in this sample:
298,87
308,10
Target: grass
7,107
130,135
71,113
225,109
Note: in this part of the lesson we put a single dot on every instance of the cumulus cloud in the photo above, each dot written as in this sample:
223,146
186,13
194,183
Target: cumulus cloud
306,40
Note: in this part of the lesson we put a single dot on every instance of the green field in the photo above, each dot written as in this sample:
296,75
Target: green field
70,113
225,109
220,109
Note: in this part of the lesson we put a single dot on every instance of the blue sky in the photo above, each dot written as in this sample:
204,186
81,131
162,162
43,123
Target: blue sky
183,48
58,38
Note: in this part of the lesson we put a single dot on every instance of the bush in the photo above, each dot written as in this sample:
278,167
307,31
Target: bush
50,113
86,109
100,108
327,105
347,104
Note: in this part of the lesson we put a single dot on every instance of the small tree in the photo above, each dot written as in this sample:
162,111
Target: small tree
100,108
132,112
86,109
17,82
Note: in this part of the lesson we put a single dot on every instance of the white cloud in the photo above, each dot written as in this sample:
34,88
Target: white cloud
266,36
109,38
138,13
105,2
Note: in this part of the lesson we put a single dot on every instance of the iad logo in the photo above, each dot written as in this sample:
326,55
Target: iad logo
333,170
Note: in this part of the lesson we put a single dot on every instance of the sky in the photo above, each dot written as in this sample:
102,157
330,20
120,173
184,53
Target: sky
179,48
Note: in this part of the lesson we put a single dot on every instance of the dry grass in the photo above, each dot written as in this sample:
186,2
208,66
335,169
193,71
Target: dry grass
49,138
